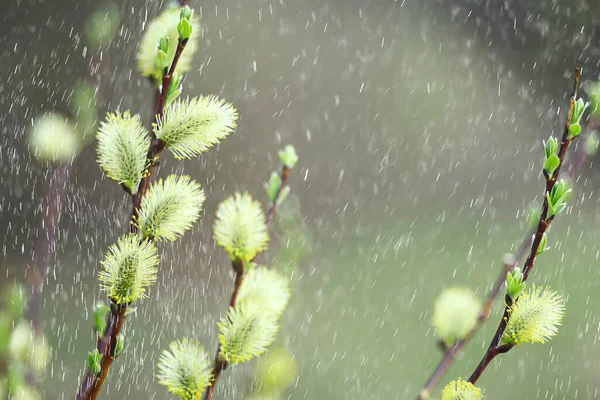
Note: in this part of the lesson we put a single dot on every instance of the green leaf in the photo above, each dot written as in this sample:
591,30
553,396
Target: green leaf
174,89
551,147
123,144
551,164
99,313
574,130
542,248
119,345
192,126
163,44
514,283
94,359
288,156
272,187
184,28
578,110
170,207
162,61
186,13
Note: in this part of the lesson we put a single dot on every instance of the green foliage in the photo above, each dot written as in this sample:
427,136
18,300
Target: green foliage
461,390
245,332
514,283
128,268
184,27
534,317
272,187
99,313
119,345
288,156
578,110
192,126
241,227
185,369
122,149
53,138
94,359
170,207
542,248
455,312
265,289
558,197
165,24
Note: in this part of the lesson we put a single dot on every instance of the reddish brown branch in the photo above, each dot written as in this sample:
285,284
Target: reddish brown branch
220,365
542,226
93,383
451,354
106,347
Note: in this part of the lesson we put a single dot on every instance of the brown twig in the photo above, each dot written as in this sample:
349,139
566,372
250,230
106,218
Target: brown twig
544,222
221,365
92,384
451,353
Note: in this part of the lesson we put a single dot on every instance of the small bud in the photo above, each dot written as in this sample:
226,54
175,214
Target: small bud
186,13
288,156
94,359
551,147
578,111
574,130
184,29
558,197
119,345
100,311
174,89
514,283
272,187
550,165
162,60
163,44
542,247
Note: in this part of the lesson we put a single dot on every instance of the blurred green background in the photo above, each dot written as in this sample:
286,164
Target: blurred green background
419,128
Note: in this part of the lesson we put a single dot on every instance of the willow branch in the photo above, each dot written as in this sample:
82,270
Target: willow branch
451,354
92,384
543,223
220,365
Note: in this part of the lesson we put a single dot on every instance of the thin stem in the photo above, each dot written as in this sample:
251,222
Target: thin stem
452,352
106,347
238,266
543,224
93,383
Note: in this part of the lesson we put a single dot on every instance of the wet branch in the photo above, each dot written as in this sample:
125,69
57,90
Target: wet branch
544,222
92,384
453,351
238,266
